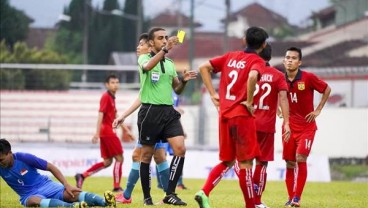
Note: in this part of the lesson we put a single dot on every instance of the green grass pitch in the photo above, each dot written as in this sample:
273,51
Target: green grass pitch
227,194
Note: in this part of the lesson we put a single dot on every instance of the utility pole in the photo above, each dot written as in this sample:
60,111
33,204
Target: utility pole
85,40
226,37
202,115
139,19
191,40
180,16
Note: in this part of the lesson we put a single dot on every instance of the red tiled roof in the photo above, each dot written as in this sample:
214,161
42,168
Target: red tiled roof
170,19
279,47
257,15
335,56
212,44
328,11
206,45
37,37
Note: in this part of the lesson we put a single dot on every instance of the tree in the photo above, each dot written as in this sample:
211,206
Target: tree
131,8
69,43
70,35
13,24
10,78
32,78
106,33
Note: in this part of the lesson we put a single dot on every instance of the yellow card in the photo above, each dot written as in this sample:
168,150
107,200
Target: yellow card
181,35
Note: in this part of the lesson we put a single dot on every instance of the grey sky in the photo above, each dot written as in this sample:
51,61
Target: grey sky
208,12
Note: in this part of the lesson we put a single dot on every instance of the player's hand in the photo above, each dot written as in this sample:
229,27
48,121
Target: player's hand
216,100
189,75
312,116
180,110
71,190
95,138
249,107
171,42
127,133
118,121
287,132
130,135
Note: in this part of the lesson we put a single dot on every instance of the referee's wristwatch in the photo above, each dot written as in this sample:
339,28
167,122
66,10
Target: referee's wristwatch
164,49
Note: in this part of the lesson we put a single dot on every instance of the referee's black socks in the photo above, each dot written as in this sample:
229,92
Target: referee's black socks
145,174
176,169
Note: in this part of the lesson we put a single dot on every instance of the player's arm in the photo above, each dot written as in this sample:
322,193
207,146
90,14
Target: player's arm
133,107
151,63
278,111
98,128
205,69
127,132
179,84
251,87
60,177
313,115
38,163
284,105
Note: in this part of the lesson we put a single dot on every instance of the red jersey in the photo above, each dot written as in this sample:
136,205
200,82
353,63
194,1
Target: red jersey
266,98
235,68
301,94
107,107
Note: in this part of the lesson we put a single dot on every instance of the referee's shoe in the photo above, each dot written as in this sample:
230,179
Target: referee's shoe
174,200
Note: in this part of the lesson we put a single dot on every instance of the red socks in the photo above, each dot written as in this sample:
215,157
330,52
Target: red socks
117,173
245,182
94,169
259,179
214,177
295,187
301,179
246,185
289,180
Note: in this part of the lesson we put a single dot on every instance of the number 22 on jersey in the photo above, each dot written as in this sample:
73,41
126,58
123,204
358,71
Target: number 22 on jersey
266,89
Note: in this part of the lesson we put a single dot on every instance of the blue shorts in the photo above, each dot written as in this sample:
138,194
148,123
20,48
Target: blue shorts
50,190
158,145
169,150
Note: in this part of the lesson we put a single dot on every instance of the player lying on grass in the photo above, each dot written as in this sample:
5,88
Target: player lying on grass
19,171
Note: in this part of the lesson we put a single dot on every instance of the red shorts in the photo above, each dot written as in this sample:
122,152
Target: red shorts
299,143
110,146
238,139
266,145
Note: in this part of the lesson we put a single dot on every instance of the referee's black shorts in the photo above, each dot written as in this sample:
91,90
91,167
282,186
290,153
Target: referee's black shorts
158,122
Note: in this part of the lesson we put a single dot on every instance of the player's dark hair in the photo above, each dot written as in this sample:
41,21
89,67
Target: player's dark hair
143,36
266,53
255,37
151,32
109,77
5,146
298,50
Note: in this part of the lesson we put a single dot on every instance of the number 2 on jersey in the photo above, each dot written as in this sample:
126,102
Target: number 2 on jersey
234,76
